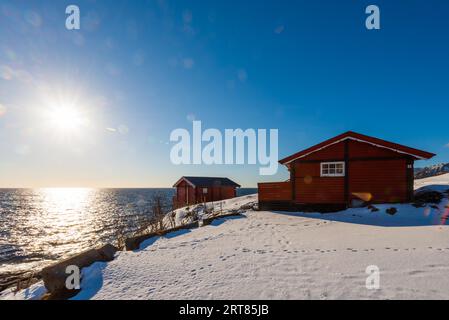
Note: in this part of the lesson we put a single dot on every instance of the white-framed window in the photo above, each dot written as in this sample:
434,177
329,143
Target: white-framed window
204,190
333,169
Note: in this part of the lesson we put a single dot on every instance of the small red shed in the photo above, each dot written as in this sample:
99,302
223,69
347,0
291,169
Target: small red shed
347,169
192,190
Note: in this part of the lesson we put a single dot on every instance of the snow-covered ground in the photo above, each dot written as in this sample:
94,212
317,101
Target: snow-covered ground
439,183
280,255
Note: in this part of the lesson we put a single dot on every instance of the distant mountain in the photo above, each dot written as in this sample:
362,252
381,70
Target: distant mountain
431,171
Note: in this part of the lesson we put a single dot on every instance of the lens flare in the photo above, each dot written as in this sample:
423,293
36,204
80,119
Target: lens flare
365,196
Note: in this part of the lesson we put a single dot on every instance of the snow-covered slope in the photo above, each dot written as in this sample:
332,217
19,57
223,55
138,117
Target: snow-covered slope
438,183
280,255
268,255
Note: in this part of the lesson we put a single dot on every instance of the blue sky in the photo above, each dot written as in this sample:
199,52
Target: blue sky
140,69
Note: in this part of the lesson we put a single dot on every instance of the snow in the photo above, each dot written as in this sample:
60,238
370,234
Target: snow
34,292
269,255
438,183
283,255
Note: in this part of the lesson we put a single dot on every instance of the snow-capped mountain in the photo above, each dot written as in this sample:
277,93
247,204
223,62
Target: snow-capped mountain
431,171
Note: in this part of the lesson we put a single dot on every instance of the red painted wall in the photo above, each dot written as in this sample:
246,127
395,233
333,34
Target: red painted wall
186,194
371,174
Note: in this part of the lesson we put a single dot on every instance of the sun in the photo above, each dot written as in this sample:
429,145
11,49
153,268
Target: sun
65,115
66,118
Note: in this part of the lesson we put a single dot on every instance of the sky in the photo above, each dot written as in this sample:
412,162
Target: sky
137,70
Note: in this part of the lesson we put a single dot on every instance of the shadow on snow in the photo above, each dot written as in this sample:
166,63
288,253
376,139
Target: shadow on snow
406,215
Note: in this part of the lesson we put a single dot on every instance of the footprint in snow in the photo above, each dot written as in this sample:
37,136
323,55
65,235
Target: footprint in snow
415,272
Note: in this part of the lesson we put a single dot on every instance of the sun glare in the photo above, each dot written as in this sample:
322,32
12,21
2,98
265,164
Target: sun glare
67,118
64,113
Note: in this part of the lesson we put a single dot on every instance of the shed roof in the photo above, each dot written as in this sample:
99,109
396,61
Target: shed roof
208,182
417,154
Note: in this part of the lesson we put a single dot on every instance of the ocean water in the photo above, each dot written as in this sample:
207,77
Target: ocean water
40,226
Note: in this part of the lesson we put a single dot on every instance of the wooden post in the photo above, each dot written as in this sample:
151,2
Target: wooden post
293,180
346,155
410,179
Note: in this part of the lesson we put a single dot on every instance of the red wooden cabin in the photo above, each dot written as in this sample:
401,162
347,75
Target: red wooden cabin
193,190
346,170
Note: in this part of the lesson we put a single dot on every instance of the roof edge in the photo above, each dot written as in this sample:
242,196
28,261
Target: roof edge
419,154
186,178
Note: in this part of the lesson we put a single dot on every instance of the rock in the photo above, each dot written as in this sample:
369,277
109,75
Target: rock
55,276
428,196
391,211
248,206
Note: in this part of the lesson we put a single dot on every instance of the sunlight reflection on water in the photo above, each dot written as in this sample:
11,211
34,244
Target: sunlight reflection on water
42,225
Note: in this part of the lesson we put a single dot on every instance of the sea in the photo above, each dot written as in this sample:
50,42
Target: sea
41,226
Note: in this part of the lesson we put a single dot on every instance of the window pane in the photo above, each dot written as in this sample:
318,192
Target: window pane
325,171
340,171
332,166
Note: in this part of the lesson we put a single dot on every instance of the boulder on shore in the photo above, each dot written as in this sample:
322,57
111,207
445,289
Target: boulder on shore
55,276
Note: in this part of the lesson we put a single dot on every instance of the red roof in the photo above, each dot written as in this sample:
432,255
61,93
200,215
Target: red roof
418,154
